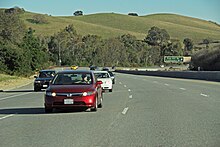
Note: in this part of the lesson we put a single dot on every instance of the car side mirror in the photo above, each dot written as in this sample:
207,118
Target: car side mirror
99,82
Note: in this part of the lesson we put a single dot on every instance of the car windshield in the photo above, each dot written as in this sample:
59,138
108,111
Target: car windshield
73,79
102,75
46,74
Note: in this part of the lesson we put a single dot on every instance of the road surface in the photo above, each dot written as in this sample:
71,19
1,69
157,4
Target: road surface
141,111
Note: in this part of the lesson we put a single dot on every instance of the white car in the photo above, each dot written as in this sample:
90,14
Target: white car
105,78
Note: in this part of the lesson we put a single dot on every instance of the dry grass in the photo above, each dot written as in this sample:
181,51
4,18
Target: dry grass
11,82
111,25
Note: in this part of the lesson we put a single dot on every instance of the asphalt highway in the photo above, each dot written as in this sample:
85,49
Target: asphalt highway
141,111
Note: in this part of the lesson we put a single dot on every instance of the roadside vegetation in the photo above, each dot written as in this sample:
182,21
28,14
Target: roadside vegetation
26,46
8,82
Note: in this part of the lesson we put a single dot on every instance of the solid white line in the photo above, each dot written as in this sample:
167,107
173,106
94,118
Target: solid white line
125,85
204,95
125,110
7,116
166,84
182,89
14,96
129,90
130,96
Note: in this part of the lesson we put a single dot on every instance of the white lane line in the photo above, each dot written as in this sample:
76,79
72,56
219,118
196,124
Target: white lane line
167,84
14,96
182,89
125,85
125,110
202,94
130,96
129,90
155,82
120,83
7,116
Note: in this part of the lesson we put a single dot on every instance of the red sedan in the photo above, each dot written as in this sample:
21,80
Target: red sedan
74,89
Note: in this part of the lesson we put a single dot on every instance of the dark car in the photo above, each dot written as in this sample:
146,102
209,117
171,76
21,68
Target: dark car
74,88
43,79
105,69
93,67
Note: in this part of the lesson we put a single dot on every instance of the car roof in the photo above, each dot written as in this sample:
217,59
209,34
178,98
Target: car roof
45,70
74,71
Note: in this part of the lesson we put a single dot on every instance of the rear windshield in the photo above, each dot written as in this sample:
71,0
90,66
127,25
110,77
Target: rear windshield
102,75
46,74
73,79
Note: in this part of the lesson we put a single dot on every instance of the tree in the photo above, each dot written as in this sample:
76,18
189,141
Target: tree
188,43
63,45
78,13
15,10
12,29
38,58
157,36
133,14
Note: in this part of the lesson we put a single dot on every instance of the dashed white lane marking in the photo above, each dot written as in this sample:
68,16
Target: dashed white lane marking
130,96
7,116
125,110
125,85
167,84
120,83
182,89
129,90
155,82
14,96
202,94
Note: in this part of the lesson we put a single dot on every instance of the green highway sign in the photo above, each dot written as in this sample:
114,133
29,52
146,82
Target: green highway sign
173,59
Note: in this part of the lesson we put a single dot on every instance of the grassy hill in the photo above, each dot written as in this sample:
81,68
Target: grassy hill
112,25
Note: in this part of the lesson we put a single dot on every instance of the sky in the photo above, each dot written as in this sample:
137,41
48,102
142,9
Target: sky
203,9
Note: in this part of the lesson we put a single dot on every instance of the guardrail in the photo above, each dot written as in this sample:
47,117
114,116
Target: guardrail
199,75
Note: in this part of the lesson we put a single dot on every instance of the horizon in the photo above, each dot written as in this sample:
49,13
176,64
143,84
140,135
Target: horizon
205,10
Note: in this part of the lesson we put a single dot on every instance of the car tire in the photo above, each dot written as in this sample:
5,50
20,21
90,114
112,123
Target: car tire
48,110
36,89
110,90
113,82
96,106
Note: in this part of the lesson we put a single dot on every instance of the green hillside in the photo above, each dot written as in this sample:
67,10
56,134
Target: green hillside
112,25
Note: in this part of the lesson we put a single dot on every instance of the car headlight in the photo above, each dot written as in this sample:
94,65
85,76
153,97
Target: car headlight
37,81
51,94
88,93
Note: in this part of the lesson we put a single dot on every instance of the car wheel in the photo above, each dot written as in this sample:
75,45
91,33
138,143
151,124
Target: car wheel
48,110
100,105
36,89
96,105
110,90
113,82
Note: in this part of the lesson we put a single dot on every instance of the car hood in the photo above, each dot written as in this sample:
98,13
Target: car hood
71,88
43,79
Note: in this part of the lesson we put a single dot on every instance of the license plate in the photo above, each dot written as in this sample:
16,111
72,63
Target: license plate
68,101
44,85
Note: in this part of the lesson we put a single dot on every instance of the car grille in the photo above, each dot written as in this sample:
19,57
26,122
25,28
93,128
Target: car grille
69,94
